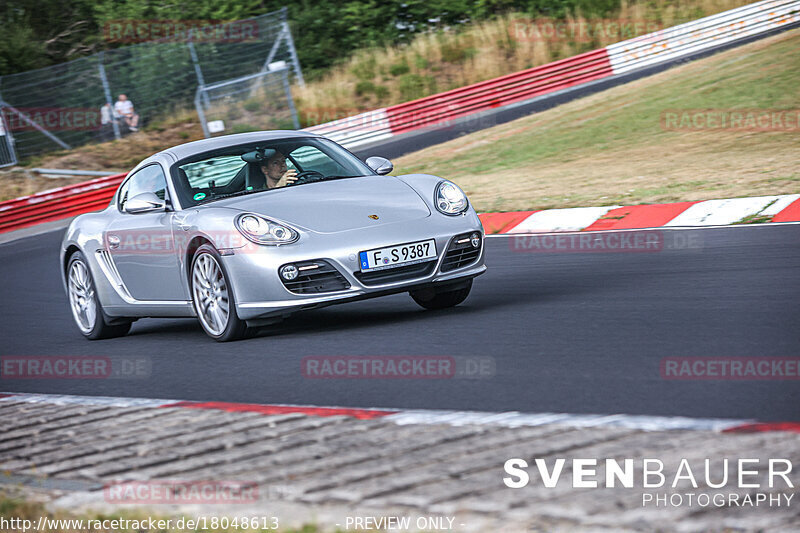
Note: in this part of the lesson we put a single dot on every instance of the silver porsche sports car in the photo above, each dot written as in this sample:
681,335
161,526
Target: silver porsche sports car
243,230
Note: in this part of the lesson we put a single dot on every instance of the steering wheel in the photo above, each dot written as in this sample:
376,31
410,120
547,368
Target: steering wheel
307,176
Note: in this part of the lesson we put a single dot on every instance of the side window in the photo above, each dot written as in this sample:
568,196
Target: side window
148,179
221,170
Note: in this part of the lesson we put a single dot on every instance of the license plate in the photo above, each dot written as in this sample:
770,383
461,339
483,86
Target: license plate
401,254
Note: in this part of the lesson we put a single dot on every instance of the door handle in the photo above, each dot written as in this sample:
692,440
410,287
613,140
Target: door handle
113,242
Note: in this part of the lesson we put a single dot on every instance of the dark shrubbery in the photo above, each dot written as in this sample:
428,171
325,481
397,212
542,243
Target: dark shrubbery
39,33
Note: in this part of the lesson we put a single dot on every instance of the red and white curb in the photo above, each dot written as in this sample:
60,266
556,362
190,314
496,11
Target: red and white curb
511,419
782,208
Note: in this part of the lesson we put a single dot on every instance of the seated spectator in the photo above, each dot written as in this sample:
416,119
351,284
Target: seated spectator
124,108
107,118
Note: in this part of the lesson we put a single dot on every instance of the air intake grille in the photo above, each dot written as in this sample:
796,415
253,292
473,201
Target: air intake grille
460,252
391,275
315,277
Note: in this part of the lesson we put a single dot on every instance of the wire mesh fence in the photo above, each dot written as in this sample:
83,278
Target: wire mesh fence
75,103
261,101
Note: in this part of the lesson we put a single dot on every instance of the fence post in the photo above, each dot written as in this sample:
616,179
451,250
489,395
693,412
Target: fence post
107,91
274,49
293,53
5,131
200,113
193,53
288,90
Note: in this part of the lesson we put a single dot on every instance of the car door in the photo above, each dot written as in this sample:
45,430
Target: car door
142,245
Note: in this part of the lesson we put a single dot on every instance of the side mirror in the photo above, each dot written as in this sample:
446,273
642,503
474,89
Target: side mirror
380,165
145,202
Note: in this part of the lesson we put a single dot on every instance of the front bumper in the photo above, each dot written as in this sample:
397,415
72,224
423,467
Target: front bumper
259,292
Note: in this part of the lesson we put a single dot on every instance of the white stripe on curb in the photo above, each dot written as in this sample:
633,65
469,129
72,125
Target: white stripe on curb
718,212
571,219
515,419
509,419
109,401
780,204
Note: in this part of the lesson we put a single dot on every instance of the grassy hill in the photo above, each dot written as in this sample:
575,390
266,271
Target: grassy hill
439,61
611,148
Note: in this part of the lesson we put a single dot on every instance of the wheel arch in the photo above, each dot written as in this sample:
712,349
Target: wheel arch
191,248
68,253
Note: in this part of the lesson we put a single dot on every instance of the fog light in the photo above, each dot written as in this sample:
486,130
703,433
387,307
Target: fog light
289,272
475,239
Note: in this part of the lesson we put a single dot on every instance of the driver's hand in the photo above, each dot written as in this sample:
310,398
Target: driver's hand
288,178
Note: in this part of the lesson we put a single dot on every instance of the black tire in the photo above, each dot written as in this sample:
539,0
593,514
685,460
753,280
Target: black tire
235,328
441,299
96,327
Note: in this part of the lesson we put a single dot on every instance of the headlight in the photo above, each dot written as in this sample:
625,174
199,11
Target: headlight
450,199
264,231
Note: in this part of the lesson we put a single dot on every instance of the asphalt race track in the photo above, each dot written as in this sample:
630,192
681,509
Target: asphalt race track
568,332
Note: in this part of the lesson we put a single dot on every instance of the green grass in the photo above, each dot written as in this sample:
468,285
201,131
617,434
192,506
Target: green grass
611,147
479,50
759,80
755,219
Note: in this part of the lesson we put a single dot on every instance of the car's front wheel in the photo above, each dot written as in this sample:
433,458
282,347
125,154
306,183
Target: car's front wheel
442,298
213,298
86,308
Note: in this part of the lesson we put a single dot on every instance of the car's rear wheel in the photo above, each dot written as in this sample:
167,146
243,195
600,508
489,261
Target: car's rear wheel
442,298
86,308
213,298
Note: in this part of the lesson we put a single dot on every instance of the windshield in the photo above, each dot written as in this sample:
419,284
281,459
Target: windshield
261,167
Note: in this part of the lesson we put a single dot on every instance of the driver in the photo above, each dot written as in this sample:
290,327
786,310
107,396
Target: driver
276,172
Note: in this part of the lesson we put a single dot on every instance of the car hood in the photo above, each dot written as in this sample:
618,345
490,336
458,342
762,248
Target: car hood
337,205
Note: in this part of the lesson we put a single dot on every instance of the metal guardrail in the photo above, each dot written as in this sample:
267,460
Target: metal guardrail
62,172
702,34
437,110
499,92
56,204
641,52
